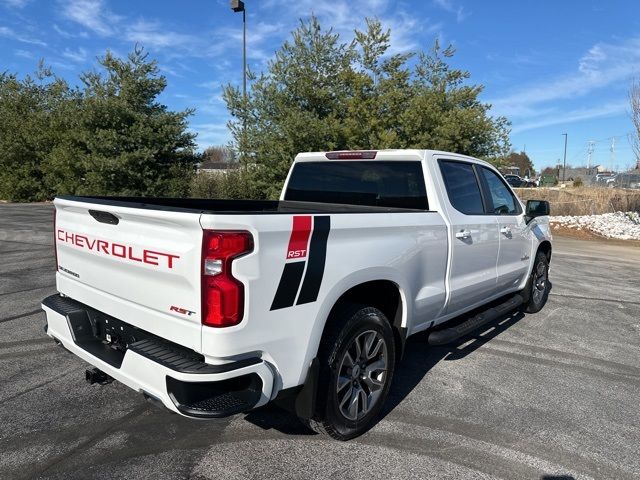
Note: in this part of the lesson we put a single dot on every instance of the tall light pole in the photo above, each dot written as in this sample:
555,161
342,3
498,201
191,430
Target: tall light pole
564,163
238,6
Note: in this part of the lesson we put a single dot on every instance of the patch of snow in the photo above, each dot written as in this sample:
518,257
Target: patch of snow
622,225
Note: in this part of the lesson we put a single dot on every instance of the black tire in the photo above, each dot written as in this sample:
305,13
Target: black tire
536,292
353,326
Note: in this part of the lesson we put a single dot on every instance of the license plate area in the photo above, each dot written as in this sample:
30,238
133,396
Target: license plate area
103,336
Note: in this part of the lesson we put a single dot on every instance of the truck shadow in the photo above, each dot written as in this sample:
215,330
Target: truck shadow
418,360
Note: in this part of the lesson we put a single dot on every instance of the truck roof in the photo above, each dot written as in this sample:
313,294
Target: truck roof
385,154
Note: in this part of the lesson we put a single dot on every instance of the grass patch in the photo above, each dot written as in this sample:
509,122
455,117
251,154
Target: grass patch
584,200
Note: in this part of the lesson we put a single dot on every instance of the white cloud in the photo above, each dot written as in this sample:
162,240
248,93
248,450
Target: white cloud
603,65
78,56
15,3
155,35
230,39
344,16
9,33
66,34
97,17
557,118
211,134
91,14
24,54
451,7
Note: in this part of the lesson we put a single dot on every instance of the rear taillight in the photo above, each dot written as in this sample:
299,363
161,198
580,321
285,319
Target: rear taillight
222,294
55,238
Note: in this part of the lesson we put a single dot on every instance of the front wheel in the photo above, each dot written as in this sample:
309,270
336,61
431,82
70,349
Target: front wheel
537,289
357,360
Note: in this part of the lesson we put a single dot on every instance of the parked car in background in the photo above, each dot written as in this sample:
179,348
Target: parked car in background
513,180
519,182
626,180
603,179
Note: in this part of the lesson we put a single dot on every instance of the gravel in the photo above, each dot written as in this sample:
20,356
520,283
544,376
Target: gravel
621,225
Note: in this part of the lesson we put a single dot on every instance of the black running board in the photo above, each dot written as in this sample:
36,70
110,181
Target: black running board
448,335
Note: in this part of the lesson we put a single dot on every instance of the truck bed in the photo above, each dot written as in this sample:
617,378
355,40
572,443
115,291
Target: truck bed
233,207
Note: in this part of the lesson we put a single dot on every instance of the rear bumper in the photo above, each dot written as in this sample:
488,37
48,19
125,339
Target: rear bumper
160,369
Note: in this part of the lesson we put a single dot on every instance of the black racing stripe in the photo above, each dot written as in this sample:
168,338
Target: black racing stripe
288,287
317,257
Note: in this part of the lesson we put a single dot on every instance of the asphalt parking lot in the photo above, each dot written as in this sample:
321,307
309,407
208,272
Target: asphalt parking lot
550,395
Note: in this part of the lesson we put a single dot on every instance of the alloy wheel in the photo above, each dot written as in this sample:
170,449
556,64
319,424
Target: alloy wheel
362,375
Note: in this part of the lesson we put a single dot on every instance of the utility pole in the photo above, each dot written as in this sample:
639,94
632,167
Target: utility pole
612,157
564,163
590,145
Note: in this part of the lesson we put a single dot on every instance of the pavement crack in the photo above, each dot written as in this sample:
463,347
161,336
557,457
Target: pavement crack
30,341
28,289
28,353
89,442
35,387
580,297
16,317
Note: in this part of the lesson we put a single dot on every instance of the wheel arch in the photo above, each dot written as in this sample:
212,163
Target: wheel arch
546,248
385,295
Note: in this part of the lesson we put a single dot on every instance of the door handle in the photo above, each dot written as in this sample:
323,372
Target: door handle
506,231
463,234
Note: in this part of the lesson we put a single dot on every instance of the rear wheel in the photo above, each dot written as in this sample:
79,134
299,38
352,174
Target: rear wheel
357,360
537,289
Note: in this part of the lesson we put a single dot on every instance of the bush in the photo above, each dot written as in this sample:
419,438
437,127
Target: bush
578,182
234,184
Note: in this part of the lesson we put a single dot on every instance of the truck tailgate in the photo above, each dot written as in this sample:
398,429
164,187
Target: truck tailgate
141,266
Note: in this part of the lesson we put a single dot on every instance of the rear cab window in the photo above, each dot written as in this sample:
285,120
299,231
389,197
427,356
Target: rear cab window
377,183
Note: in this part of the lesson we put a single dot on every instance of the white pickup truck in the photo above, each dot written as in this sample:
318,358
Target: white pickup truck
215,307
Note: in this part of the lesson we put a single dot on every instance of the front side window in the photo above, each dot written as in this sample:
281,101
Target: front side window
504,203
462,187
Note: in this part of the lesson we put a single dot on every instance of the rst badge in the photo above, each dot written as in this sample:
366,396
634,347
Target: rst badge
182,311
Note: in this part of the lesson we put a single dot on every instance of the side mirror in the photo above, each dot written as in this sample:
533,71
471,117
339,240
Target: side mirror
536,208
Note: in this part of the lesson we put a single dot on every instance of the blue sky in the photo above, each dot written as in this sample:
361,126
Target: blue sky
551,67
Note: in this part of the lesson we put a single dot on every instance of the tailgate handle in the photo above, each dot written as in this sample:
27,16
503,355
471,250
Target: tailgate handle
104,217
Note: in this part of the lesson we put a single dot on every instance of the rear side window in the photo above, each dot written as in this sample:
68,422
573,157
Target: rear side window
373,183
462,187
504,203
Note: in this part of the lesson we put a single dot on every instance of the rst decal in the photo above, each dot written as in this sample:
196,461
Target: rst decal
181,310
104,247
299,237
301,247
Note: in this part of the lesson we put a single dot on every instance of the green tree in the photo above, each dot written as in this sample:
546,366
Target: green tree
36,114
320,93
111,136
131,143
